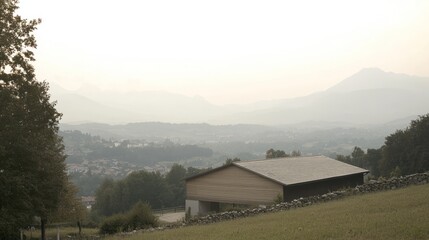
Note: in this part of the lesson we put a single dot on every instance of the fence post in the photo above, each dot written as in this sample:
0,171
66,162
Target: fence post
58,233
21,234
31,232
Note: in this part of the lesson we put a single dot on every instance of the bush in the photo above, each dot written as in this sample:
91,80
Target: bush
113,224
140,216
278,199
89,224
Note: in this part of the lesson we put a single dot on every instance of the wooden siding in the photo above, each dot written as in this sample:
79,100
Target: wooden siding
233,185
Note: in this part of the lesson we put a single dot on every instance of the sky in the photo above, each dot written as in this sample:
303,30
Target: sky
228,52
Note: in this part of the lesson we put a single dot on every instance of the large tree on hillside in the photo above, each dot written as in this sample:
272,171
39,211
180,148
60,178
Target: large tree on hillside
31,153
407,151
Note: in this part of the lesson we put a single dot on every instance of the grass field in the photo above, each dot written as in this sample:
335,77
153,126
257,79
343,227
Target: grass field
397,214
51,233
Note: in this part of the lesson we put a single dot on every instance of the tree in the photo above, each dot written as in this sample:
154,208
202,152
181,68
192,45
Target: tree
191,171
231,160
271,153
31,152
372,158
404,152
176,182
358,157
407,151
70,208
103,205
118,196
176,174
296,153
343,158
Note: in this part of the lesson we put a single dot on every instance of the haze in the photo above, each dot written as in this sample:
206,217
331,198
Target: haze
225,51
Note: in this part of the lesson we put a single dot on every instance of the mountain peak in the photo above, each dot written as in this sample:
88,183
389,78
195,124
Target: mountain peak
375,78
372,70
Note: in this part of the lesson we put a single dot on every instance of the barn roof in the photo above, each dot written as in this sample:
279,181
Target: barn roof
296,170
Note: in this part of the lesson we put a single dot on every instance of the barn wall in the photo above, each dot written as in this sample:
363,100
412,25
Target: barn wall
321,187
233,185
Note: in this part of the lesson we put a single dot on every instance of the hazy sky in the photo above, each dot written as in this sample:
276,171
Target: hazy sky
226,51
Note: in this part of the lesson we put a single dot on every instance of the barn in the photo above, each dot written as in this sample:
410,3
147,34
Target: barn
260,182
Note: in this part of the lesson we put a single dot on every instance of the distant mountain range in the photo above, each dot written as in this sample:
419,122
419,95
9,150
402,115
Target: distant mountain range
370,96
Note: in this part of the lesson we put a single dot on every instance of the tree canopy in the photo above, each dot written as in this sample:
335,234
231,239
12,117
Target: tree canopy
404,152
231,160
118,196
150,187
31,152
407,149
271,153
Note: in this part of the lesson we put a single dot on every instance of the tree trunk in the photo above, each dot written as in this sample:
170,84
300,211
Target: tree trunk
42,228
80,228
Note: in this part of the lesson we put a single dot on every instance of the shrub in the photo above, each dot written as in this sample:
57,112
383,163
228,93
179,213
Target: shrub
140,216
396,172
278,199
113,224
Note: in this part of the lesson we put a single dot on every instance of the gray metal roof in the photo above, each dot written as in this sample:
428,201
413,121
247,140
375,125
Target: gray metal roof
295,170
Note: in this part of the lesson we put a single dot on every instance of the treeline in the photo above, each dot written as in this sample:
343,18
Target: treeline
159,191
404,152
271,153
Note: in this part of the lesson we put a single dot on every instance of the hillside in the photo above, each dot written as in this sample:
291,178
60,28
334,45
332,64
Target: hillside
397,214
311,137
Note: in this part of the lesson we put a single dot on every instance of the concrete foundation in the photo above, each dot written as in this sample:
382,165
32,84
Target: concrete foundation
200,208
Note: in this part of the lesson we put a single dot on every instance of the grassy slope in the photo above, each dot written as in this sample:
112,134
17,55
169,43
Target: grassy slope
398,214
51,232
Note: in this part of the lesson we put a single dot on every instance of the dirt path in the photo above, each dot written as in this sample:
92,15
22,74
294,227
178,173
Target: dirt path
171,217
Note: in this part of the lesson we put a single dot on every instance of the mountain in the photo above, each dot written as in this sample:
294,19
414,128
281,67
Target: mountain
90,104
370,96
77,108
374,78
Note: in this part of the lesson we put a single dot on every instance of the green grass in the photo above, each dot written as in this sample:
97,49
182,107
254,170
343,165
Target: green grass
64,231
398,214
